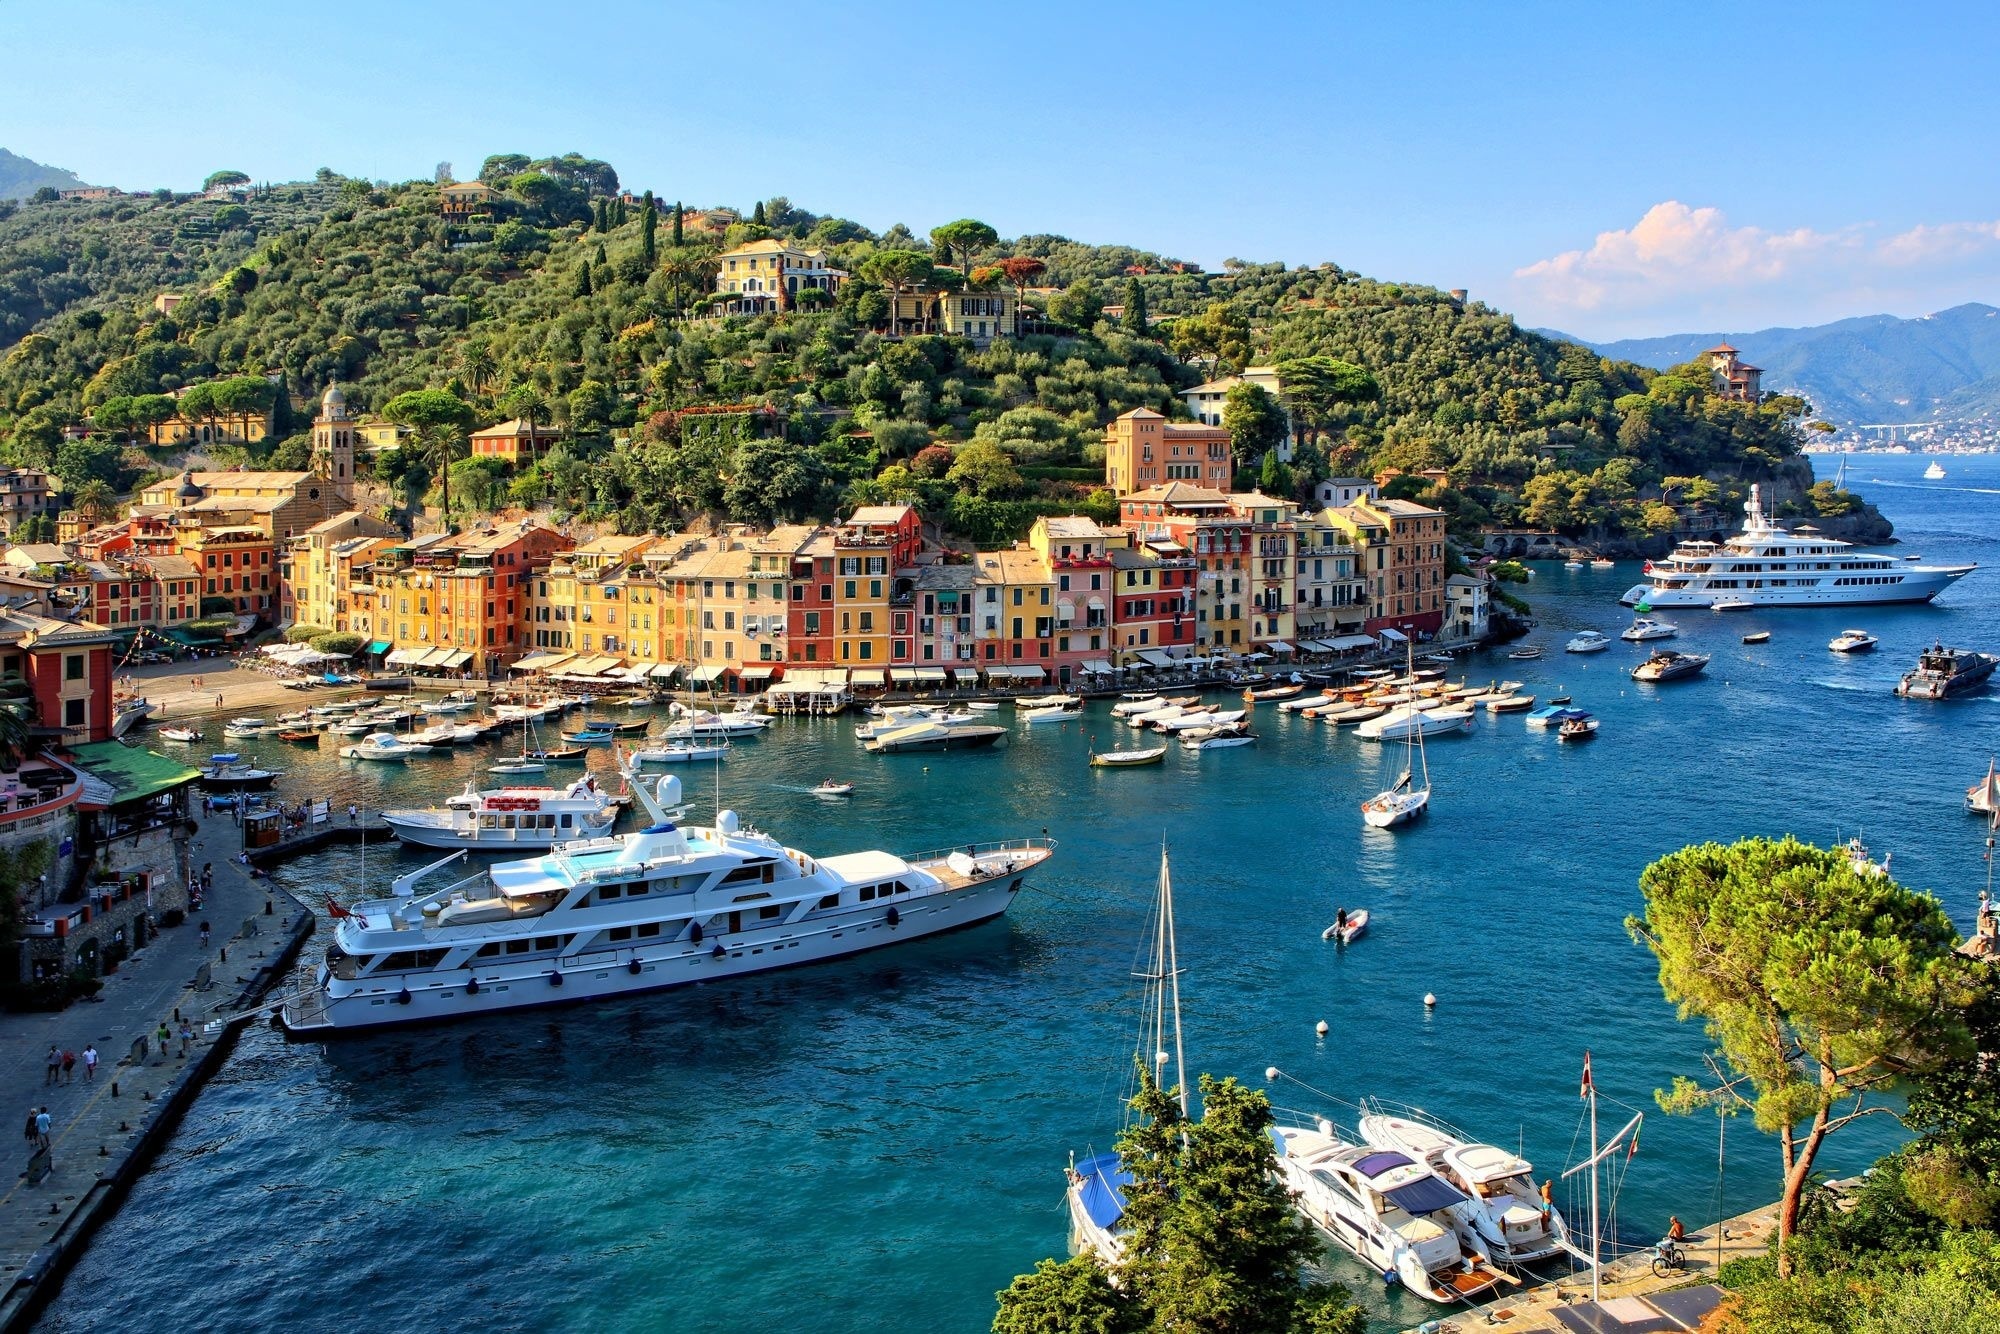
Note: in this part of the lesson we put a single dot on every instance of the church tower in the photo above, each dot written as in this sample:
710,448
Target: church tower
333,442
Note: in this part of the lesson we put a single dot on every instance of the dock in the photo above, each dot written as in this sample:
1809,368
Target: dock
332,833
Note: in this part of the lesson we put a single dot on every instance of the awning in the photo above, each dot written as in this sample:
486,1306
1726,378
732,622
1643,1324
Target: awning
705,674
759,673
1153,657
1345,642
594,666
664,671
1029,673
406,657
541,662
379,646
932,674
869,676
127,773
1392,636
964,673
450,657
1279,646
1097,665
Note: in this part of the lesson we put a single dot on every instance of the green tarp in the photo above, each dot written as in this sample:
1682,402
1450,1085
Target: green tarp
133,773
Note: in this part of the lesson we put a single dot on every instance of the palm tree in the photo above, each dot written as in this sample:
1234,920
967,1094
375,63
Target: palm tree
478,363
13,733
438,444
94,499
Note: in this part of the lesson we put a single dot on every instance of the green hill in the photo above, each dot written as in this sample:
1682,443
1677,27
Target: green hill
561,308
21,177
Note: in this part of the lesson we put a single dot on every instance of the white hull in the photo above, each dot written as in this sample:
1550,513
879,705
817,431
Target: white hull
426,835
1913,586
604,974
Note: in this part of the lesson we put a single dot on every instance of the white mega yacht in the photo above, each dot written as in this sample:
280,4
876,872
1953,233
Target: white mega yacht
509,817
1504,1217
1766,566
664,907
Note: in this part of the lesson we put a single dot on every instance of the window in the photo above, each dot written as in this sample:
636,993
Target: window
73,667
76,712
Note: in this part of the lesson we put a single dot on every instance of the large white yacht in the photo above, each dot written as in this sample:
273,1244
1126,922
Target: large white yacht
1768,567
1504,1217
661,908
509,817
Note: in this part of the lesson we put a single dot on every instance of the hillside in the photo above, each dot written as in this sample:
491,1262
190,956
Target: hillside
21,177
1874,368
563,307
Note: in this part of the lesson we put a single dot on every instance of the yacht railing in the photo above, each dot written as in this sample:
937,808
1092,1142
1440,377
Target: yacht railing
977,851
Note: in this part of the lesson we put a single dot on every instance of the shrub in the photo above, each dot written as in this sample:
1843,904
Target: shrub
339,641
304,634
210,627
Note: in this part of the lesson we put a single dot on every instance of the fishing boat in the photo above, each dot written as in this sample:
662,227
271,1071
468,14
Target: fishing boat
1760,637
1934,473
384,746
680,752
1645,628
243,727
1273,692
299,736
1983,797
1852,641
667,906
1670,666
1943,672
934,737
1504,1216
1127,759
830,788
229,770
1588,641
1577,729
508,817
1095,1186
184,735
1347,927
1406,798
1386,1207
1525,653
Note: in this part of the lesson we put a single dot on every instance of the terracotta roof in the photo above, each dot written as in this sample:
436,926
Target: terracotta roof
1180,493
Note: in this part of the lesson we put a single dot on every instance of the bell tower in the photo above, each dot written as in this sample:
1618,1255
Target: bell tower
333,442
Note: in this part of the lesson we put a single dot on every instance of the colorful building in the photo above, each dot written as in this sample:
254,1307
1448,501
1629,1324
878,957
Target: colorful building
1203,522
67,665
763,277
25,493
1153,612
460,601
1077,557
310,585
1399,547
514,442
1142,449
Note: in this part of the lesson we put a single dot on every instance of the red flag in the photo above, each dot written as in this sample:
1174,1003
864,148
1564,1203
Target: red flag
334,909
1585,1091
1633,1151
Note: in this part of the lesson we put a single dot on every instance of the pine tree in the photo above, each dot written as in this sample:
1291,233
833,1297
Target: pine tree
757,215
678,242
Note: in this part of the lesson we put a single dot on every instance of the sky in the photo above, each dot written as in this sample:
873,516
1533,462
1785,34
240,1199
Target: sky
1607,170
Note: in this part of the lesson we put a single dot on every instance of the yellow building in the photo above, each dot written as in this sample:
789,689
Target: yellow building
311,588
763,277
465,199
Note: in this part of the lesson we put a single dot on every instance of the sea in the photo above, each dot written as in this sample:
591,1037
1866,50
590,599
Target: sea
879,1143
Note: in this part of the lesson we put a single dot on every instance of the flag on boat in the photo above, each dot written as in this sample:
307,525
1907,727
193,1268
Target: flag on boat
1632,1150
333,909
1585,1091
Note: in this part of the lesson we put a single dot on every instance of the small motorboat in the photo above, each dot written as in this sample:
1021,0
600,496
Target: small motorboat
1761,637
984,706
559,755
1350,926
1127,759
1602,564
517,766
1550,715
184,735
587,737
1670,666
1049,702
1525,653
1304,703
832,789
299,735
1273,692
1221,738
1577,729
1559,699
1644,628
228,769
1731,604
1051,713
1572,565
245,727
1508,703
458,701
386,746
1852,641
1588,641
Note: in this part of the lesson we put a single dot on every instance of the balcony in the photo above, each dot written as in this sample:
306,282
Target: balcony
35,795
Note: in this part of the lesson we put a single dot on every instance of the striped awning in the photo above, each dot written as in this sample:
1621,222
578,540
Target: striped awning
705,674
593,666
1153,657
405,657
932,674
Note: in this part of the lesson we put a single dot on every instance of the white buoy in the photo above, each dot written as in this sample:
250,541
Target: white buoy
1321,1029
1430,1001
1270,1073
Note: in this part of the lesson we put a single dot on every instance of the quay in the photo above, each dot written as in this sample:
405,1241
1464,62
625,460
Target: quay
1632,1297
109,1129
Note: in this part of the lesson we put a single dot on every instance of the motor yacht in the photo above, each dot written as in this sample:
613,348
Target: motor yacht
1050,713
1769,567
927,736
1388,1208
1646,628
508,817
1934,473
1943,672
1588,641
1852,641
229,770
665,907
383,746
1398,723
1670,666
1503,1216
895,716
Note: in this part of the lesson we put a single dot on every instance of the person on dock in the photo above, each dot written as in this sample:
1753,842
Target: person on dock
69,1065
204,931
187,1037
43,1123
163,1035
55,1065
29,1129
1675,1231
90,1063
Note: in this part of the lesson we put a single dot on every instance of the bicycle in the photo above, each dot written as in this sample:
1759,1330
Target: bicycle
1668,1258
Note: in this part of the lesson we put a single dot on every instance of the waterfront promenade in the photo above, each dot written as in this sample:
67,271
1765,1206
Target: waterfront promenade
102,1128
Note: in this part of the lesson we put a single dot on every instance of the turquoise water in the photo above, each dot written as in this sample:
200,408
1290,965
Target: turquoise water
878,1143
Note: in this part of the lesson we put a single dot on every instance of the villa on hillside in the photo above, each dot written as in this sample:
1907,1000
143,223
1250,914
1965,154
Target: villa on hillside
516,442
764,277
1206,401
465,199
1734,377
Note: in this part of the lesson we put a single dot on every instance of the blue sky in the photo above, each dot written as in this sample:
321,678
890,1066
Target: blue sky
1607,170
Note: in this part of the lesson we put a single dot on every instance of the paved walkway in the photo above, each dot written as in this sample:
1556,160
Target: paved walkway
90,1122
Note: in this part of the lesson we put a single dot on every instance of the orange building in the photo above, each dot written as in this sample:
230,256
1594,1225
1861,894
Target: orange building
514,442
459,602
1142,449
874,542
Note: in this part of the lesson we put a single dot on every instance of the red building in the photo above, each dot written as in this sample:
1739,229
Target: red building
67,666
810,624
1153,603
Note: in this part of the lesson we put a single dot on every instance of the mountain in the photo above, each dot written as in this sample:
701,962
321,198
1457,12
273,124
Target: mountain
570,305
1873,368
21,177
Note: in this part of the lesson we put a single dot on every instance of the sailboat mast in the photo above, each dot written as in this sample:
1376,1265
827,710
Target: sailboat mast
1596,1260
1170,961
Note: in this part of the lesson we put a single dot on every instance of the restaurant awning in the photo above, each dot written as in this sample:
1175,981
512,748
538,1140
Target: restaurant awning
1097,665
406,657
758,673
450,657
1279,646
964,673
705,674
1392,636
664,671
1153,657
379,646
932,674
1345,642
540,662
869,676
1027,673
593,666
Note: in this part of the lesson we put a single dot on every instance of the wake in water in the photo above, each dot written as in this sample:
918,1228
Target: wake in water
1913,486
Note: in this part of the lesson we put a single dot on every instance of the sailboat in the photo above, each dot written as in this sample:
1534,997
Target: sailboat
1599,1153
1096,1191
526,764
1403,803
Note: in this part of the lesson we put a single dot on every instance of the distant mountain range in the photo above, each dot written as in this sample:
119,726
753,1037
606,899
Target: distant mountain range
21,177
1870,369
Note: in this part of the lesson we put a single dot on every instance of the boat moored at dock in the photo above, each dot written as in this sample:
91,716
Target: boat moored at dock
508,817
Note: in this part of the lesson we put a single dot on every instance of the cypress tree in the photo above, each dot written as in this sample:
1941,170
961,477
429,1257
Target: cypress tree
677,225
597,219
618,211
601,256
583,280
1135,307
649,223
757,215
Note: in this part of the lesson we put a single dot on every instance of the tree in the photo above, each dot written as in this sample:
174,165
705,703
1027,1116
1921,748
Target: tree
895,270
1317,388
1819,983
1255,422
45,195
94,499
678,238
1218,333
965,238
1073,1297
758,217
1134,319
649,228
524,403
1022,270
501,168
223,179
1275,479
440,419
983,468
1079,305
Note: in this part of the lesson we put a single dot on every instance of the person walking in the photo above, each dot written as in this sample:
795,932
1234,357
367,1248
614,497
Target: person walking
55,1066
43,1124
29,1129
163,1036
69,1065
90,1064
204,932
187,1036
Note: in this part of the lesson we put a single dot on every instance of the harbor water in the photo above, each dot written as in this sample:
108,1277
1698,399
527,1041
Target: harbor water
879,1143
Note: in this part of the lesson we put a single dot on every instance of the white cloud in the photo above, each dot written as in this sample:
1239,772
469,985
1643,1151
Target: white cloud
1680,261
